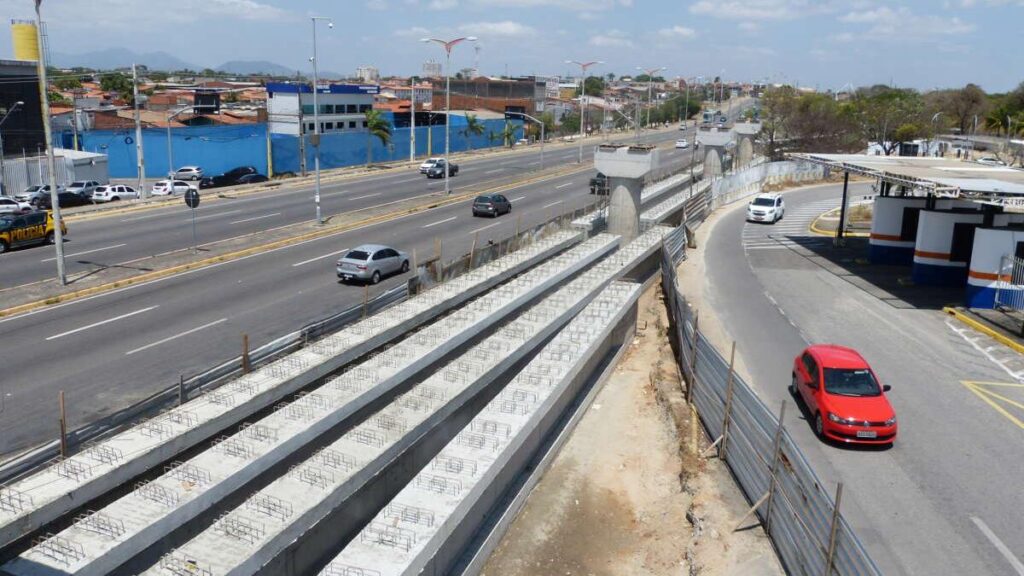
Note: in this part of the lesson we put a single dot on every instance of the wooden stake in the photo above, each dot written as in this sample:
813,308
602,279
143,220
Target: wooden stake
832,534
776,458
63,428
693,357
728,402
245,353
181,389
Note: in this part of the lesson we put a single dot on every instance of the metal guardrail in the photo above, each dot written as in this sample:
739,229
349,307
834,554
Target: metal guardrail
188,388
803,520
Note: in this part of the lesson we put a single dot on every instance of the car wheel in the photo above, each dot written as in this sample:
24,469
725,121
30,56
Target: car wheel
792,386
405,266
49,238
376,277
819,425
3,247
114,199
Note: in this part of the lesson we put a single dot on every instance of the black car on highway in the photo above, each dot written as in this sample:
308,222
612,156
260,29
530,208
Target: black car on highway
437,170
229,178
252,179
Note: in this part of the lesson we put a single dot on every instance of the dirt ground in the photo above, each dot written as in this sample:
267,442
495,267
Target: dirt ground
628,495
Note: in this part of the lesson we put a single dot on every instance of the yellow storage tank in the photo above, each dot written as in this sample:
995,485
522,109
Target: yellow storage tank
25,40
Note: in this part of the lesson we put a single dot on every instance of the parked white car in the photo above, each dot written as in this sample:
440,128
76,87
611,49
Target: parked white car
189,173
682,143
9,205
32,194
766,208
113,193
165,188
428,164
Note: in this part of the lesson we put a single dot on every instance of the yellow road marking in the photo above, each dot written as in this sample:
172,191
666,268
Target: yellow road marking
980,392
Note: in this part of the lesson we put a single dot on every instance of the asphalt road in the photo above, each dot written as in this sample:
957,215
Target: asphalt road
123,239
113,349
946,499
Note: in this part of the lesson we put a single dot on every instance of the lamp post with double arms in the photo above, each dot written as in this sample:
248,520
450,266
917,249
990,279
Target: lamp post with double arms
448,45
650,86
583,95
316,120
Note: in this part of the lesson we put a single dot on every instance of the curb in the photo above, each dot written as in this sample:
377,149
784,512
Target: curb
981,327
815,229
252,250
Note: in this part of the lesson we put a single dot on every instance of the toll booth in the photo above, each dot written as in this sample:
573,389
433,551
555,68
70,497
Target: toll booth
989,271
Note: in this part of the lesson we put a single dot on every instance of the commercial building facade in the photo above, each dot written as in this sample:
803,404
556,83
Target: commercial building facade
343,107
22,133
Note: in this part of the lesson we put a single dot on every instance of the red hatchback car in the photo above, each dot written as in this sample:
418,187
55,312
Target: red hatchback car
841,391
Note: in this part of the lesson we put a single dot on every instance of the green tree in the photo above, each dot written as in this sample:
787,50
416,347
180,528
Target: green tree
474,127
880,111
548,119
67,83
57,98
1000,118
508,134
594,85
377,126
118,82
961,105
570,123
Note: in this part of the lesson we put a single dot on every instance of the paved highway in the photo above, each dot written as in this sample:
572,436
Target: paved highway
122,239
116,348
946,499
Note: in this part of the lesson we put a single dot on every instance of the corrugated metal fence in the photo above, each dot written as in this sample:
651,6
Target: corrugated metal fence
801,518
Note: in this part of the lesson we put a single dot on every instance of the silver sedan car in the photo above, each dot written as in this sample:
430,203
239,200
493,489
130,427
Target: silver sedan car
371,262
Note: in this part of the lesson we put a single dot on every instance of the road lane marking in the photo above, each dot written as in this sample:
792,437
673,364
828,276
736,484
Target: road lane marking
102,322
365,196
560,186
518,199
217,215
482,228
85,252
335,253
495,171
338,193
439,222
989,397
553,204
256,218
1003,548
176,336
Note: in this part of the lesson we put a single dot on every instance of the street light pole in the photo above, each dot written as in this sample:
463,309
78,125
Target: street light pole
316,121
650,85
170,148
412,119
935,130
3,178
44,101
448,45
583,96
140,163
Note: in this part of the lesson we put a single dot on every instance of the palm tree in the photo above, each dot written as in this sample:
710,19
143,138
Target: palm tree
377,126
998,119
509,134
474,127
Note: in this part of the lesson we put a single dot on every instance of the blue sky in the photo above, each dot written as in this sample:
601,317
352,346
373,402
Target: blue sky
824,43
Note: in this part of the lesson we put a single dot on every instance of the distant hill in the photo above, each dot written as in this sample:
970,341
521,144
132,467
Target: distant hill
247,67
120,58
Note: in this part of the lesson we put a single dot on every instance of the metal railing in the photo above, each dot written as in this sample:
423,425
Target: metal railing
1010,283
802,519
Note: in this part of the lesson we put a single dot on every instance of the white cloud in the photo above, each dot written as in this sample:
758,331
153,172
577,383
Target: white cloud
755,10
377,4
443,4
505,28
749,26
677,32
570,5
613,39
902,24
414,32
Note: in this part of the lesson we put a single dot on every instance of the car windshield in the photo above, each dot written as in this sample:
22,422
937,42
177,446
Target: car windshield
77,185
848,382
763,202
5,223
357,255
483,200
32,189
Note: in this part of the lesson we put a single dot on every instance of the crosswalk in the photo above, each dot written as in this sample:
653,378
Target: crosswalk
792,232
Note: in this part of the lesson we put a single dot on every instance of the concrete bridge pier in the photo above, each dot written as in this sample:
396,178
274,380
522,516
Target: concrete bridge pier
714,142
625,166
746,133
